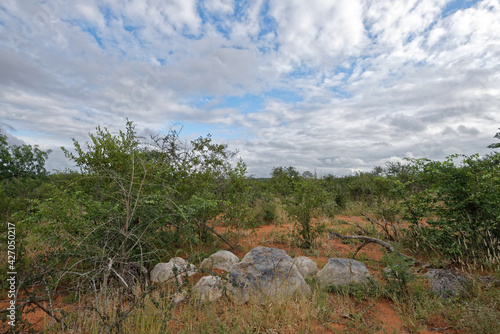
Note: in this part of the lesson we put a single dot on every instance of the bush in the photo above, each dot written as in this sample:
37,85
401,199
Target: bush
460,204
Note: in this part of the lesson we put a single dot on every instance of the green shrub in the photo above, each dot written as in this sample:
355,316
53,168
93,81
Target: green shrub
460,203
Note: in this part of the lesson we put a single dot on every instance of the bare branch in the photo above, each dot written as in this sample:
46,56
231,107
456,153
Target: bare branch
384,244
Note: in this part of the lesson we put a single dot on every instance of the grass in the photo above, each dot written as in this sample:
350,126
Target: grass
353,309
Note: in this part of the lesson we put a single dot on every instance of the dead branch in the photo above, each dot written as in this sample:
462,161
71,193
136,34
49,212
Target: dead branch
217,234
384,244
393,227
386,230
359,248
363,230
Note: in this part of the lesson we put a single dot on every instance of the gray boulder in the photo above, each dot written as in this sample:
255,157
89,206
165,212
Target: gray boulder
447,284
209,288
222,260
263,275
175,268
343,272
306,266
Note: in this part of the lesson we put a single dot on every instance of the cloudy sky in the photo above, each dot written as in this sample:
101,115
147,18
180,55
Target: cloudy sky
331,86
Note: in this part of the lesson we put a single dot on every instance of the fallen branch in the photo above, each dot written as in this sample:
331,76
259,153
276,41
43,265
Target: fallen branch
384,244
359,248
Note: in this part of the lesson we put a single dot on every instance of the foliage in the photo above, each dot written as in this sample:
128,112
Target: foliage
495,145
460,203
21,161
283,180
302,198
131,204
398,274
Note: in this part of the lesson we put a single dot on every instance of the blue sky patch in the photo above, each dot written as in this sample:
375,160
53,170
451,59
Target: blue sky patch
454,6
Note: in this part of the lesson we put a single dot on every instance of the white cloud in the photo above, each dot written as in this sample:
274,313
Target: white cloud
220,6
319,32
363,81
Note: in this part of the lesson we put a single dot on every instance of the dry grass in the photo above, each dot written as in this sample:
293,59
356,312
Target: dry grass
349,311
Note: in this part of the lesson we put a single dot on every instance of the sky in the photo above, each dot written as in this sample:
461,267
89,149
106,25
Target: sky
333,87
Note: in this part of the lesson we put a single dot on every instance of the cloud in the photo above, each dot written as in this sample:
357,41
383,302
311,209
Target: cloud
328,86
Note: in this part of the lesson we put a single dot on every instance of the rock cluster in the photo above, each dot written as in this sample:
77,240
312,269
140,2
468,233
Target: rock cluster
263,275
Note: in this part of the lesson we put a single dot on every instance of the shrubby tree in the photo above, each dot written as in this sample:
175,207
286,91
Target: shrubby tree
21,161
284,179
495,145
133,202
302,198
460,202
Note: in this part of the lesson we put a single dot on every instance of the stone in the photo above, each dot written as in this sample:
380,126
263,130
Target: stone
306,266
222,260
265,275
176,267
447,284
209,288
343,272
179,297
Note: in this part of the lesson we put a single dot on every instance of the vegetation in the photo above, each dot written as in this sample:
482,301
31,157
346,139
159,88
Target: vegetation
92,235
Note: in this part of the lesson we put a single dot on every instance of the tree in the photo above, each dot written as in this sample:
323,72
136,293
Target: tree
301,196
284,179
460,202
495,145
302,205
21,161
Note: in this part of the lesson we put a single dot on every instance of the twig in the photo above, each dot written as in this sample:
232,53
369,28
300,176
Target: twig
217,234
383,227
360,227
34,301
439,329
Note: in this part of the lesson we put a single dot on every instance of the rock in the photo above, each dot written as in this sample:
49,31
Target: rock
343,272
306,266
488,282
447,284
176,267
263,275
222,260
209,288
179,297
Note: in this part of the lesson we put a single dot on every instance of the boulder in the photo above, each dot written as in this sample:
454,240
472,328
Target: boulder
176,267
343,272
447,284
306,266
263,275
222,260
209,288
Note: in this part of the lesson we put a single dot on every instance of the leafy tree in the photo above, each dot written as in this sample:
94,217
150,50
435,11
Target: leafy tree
460,203
302,198
495,145
21,161
307,199
284,180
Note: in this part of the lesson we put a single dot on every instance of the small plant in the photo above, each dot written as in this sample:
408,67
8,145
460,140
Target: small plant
398,274
360,291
